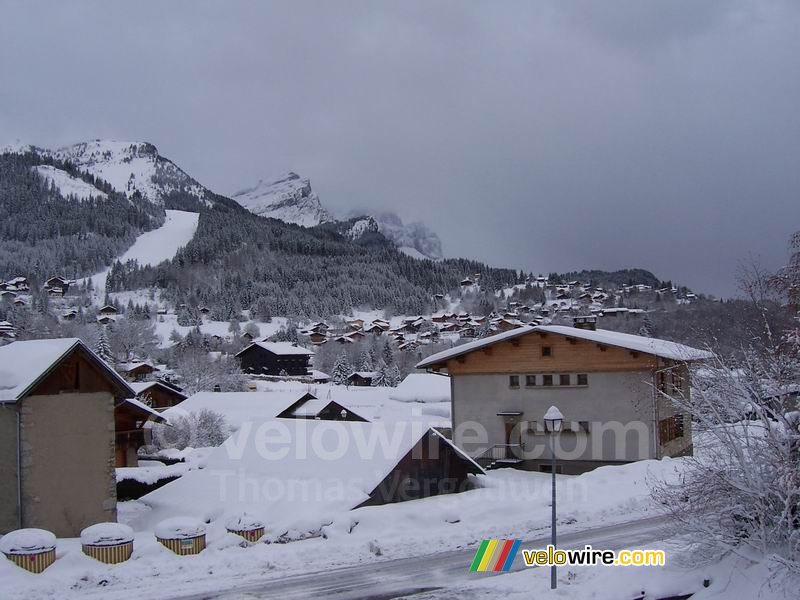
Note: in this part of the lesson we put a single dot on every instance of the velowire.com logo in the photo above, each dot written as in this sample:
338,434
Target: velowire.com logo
495,555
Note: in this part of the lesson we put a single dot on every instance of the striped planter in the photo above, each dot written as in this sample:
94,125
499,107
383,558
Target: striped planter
251,535
35,562
185,546
110,555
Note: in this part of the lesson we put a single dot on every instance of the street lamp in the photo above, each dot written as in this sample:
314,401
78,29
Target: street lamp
553,419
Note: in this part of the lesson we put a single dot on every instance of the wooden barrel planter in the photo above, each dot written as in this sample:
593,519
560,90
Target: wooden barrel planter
247,526
110,543
183,536
32,549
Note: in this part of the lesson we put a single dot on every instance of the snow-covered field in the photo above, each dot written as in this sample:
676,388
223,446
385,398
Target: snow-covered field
510,504
153,247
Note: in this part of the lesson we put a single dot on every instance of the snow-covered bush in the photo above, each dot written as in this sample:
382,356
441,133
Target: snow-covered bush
740,493
191,430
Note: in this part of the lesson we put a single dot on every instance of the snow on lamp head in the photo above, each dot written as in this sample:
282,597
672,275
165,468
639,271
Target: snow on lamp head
553,419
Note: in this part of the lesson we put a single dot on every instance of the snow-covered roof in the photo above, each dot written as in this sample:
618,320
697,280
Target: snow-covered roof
281,348
366,374
422,387
24,364
320,470
152,413
135,364
311,408
638,343
142,386
238,407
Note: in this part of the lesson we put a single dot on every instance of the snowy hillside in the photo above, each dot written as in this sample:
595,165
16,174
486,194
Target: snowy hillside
68,185
133,168
287,198
158,245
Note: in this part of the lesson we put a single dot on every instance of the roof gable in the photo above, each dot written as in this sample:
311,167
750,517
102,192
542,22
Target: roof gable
23,365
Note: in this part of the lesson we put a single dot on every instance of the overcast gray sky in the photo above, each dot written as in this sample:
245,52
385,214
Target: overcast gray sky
548,135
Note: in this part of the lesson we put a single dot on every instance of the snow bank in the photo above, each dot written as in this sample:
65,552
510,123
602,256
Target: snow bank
179,528
106,534
27,541
422,387
243,522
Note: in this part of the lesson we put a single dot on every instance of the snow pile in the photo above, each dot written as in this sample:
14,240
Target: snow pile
243,522
422,387
27,541
179,528
68,185
106,534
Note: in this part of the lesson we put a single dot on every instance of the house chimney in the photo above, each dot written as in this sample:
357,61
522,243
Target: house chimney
587,322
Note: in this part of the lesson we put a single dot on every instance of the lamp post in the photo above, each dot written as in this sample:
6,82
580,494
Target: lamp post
553,419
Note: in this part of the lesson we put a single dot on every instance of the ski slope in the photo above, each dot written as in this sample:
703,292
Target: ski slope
153,247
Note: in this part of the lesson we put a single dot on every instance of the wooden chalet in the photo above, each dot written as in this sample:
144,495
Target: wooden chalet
130,417
57,286
362,378
158,394
109,309
311,407
139,370
275,358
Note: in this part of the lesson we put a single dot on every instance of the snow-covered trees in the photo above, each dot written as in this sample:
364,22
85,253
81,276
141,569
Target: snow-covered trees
191,430
198,372
131,338
252,329
102,347
740,492
342,369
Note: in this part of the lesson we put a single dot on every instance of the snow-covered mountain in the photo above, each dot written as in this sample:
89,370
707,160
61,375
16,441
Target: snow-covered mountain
414,239
133,168
291,199
288,198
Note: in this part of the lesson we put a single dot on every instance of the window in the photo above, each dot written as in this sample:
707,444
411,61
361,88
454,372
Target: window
547,380
678,425
583,426
661,381
583,379
677,381
530,380
563,379
671,428
513,381
547,351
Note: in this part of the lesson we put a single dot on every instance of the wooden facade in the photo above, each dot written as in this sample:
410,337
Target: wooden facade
161,396
432,467
529,354
258,360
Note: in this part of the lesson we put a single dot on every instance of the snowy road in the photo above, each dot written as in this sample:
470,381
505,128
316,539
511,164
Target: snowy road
153,247
408,576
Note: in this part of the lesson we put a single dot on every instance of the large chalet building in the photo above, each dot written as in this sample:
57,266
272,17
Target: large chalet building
275,358
505,383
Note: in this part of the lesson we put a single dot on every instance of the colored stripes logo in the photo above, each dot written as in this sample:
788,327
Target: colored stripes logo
495,555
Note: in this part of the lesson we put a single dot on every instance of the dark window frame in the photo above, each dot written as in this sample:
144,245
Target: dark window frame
511,381
547,380
547,351
564,377
530,380
582,379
